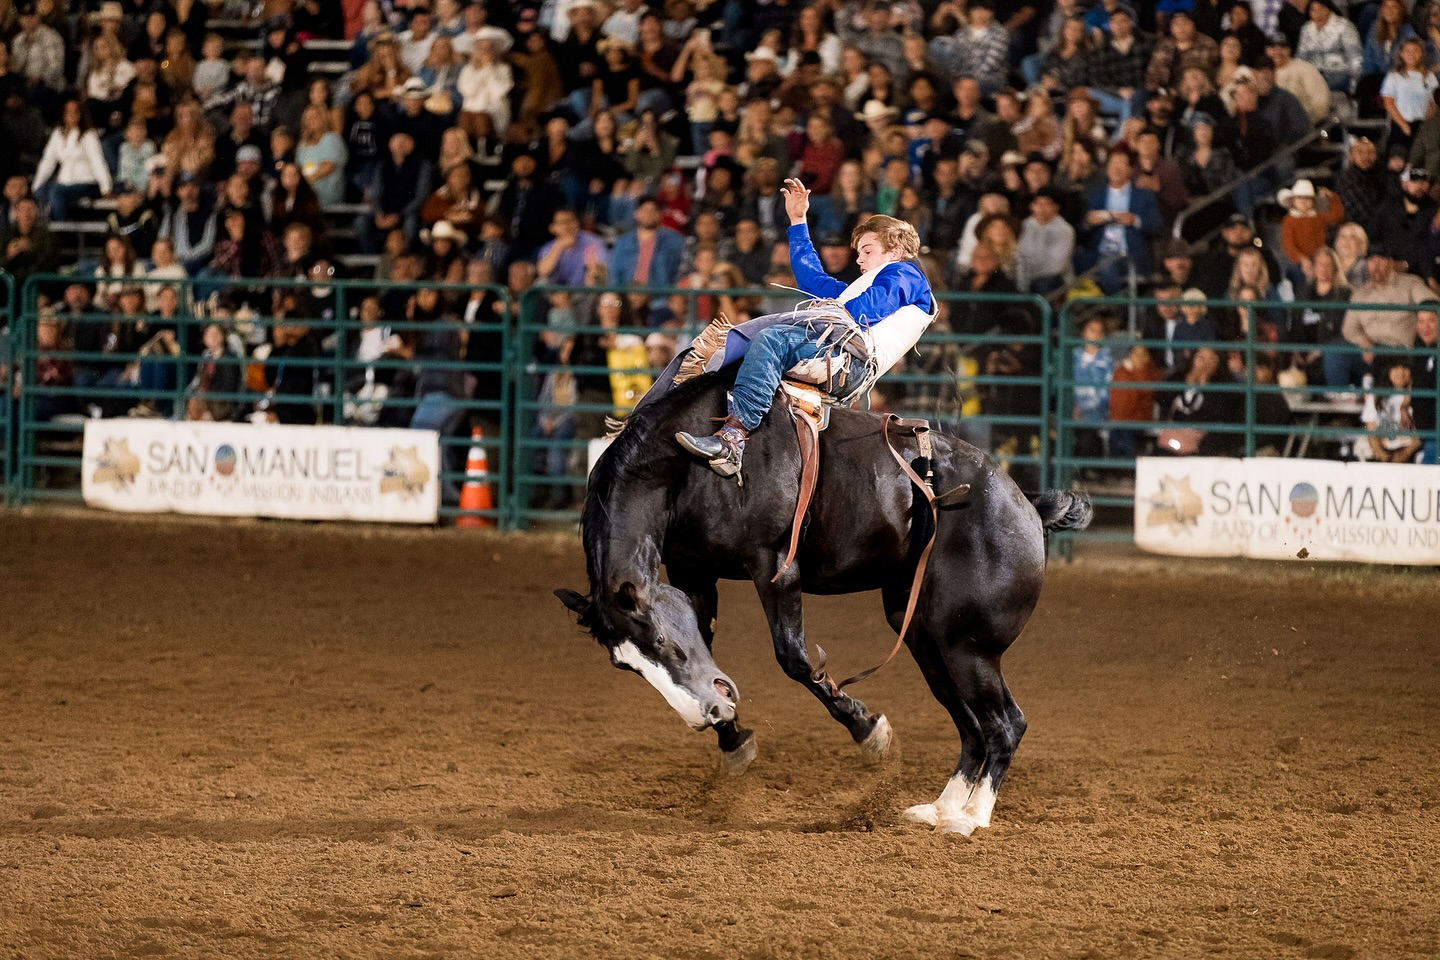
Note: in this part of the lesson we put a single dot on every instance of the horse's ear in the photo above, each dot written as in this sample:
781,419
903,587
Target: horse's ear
627,597
574,601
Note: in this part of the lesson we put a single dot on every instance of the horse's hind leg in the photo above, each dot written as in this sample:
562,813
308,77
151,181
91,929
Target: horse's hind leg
737,744
782,603
972,689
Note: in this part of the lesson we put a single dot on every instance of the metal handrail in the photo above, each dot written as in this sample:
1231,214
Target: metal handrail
1321,132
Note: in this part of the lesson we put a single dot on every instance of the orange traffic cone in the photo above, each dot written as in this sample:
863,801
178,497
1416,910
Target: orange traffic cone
475,495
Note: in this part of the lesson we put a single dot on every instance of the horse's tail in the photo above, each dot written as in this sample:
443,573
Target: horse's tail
1063,510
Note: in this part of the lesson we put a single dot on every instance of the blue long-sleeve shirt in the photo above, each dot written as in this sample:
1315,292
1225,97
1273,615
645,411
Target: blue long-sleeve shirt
896,285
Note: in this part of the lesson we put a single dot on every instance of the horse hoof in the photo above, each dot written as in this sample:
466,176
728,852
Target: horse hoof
963,825
922,813
877,744
737,761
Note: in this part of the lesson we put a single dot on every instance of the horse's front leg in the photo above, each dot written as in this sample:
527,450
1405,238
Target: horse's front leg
782,603
737,744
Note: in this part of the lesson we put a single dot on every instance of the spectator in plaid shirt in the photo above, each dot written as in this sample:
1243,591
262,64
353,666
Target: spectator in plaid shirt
38,53
1184,48
982,49
256,90
1115,71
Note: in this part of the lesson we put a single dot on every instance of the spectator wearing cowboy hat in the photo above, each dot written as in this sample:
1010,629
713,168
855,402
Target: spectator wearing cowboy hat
578,47
877,117
762,75
1303,230
413,118
447,244
485,84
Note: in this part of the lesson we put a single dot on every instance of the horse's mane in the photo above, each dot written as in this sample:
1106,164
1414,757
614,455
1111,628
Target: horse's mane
643,443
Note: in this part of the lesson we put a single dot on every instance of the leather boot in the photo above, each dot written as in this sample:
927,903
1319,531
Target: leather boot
723,449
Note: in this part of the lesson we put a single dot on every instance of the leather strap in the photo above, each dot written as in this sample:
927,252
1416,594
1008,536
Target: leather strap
809,435
921,429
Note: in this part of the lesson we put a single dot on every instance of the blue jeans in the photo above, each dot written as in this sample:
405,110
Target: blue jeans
57,198
1117,106
1122,443
776,349
1030,68
1343,370
1427,452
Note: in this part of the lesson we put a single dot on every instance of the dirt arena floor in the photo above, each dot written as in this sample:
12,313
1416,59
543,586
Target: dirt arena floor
280,740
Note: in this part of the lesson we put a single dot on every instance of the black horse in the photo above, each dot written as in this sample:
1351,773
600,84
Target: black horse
651,503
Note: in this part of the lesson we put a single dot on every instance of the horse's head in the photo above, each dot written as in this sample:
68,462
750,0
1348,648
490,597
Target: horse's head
652,630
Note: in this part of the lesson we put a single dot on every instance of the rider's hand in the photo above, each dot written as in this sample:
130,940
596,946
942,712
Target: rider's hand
797,201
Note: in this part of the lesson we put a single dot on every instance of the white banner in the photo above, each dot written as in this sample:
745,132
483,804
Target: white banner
268,470
1280,509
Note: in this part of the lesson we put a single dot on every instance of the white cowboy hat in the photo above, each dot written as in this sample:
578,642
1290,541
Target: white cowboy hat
110,10
619,43
1302,188
763,53
445,230
585,5
499,39
414,87
875,110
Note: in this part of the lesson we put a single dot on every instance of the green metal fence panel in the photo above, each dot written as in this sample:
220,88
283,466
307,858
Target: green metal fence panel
1250,412
7,385
569,387
348,362
7,416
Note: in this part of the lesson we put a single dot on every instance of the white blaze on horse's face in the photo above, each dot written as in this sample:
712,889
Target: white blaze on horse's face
666,648
683,701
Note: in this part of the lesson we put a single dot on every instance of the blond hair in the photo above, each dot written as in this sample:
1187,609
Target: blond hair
891,233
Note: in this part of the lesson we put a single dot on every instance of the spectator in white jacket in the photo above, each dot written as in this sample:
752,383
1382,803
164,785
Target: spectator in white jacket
73,166
485,84
1332,44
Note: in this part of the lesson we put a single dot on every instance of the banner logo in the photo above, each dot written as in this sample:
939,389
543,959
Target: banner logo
404,473
116,465
1175,506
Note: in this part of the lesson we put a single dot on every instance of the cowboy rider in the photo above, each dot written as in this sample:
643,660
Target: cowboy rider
890,283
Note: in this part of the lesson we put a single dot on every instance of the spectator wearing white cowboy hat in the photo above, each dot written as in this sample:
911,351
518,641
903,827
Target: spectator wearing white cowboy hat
485,84
877,116
762,75
562,16
1303,231
447,244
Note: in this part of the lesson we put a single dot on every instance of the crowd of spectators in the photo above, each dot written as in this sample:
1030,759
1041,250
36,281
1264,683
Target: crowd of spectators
593,143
